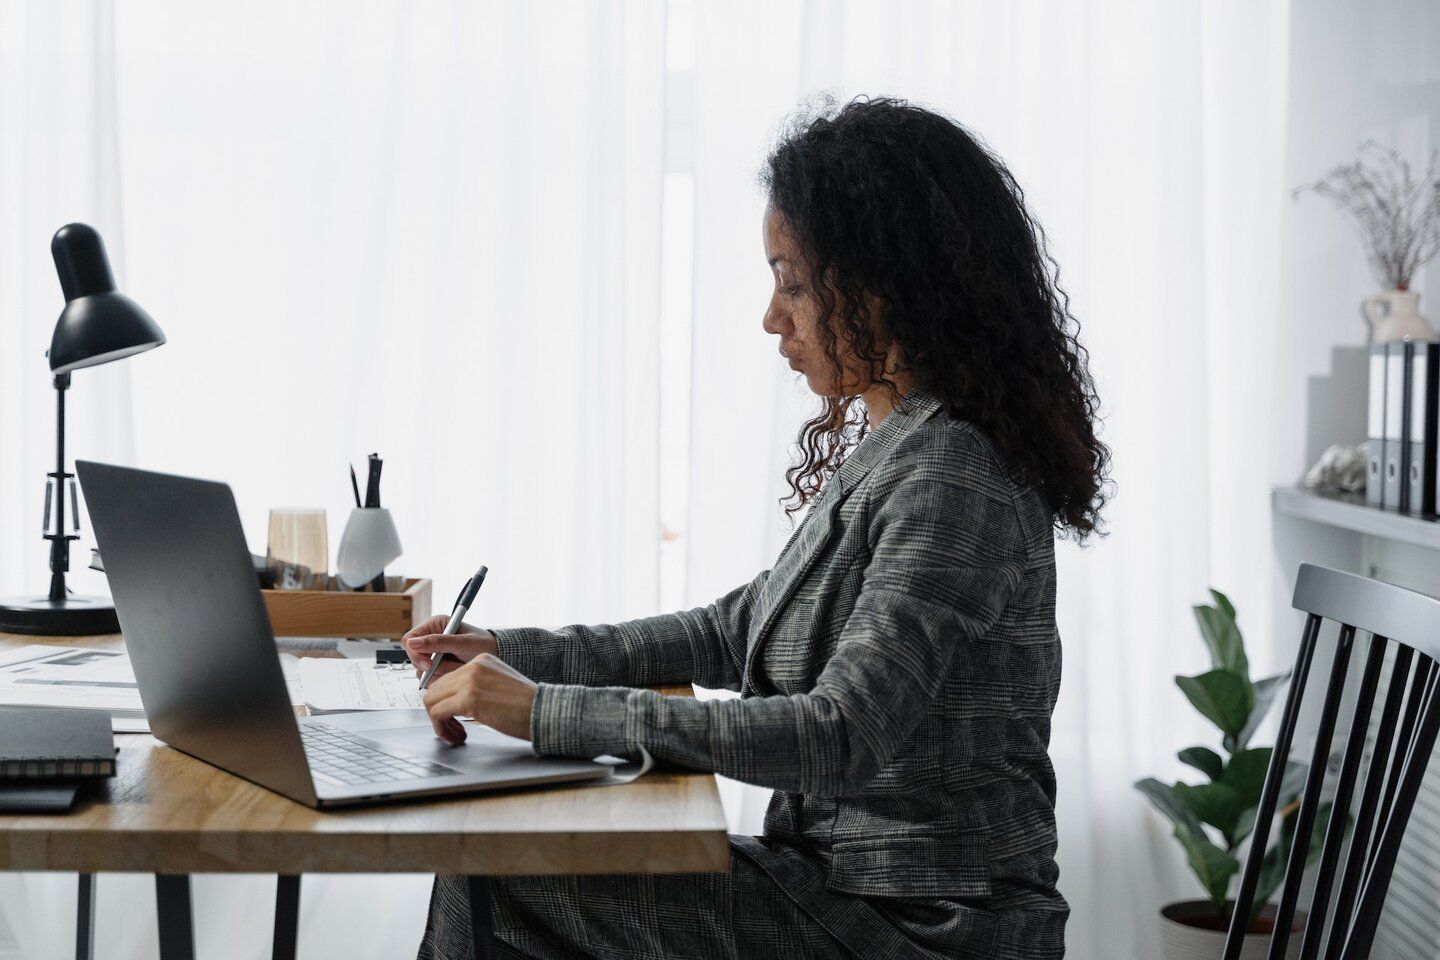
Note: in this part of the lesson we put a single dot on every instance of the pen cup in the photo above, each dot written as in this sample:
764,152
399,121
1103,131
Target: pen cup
370,541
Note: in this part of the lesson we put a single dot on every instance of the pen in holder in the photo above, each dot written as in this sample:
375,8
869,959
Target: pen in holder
369,542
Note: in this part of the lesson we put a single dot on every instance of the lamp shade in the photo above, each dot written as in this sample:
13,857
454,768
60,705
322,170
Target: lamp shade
98,324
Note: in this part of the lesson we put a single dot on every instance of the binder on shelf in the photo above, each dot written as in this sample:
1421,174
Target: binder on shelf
1397,372
1375,434
1420,437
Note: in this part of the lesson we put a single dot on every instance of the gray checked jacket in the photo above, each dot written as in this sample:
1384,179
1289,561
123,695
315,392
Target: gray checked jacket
898,666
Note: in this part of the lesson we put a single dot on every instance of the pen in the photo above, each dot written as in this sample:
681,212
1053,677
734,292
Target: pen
372,488
372,499
462,607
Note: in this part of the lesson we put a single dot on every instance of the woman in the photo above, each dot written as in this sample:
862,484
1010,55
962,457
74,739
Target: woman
899,664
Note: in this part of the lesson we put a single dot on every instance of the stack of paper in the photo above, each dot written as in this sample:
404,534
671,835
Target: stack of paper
40,675
331,685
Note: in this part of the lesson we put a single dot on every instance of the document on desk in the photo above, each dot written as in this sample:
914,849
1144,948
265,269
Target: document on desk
331,685
41,675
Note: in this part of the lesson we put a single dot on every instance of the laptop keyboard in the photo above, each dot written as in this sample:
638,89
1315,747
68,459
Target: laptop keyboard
343,759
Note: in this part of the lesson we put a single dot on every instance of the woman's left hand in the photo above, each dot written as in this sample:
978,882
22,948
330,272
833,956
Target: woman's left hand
487,689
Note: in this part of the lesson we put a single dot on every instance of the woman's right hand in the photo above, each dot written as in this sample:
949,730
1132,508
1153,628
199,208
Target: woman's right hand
427,640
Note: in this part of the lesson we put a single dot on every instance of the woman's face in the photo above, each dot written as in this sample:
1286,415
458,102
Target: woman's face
794,316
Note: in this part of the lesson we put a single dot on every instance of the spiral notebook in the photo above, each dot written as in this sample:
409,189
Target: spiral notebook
54,743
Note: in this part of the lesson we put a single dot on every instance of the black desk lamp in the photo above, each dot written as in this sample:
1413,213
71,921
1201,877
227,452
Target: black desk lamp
98,324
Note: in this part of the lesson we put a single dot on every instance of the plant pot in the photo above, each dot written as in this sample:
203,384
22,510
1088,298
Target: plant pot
1189,930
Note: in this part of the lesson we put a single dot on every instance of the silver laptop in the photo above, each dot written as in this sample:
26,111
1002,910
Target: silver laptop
210,677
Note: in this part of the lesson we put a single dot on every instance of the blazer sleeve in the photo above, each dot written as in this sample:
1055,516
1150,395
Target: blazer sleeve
948,552
705,646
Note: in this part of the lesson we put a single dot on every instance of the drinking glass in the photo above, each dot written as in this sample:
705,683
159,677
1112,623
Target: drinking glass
298,554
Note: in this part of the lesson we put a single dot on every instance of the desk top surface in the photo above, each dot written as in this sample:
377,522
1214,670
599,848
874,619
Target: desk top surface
165,812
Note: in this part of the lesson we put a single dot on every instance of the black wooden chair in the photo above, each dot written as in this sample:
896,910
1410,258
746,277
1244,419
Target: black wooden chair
1392,616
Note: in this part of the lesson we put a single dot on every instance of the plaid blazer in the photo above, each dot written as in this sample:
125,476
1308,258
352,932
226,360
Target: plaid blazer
898,666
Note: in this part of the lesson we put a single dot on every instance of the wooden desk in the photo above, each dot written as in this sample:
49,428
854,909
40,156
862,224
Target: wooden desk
171,815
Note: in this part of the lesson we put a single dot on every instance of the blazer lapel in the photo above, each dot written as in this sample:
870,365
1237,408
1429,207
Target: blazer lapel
806,543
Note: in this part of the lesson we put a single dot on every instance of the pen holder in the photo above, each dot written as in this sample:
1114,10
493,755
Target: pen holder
369,542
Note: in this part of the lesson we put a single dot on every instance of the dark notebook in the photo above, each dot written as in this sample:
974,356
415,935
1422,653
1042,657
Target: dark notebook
54,743
37,797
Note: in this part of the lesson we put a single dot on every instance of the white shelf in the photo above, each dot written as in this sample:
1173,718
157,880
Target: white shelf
1350,512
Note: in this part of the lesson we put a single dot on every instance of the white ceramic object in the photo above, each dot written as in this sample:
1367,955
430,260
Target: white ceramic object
1395,315
369,543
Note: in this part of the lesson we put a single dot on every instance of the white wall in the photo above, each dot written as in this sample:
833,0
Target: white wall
1359,69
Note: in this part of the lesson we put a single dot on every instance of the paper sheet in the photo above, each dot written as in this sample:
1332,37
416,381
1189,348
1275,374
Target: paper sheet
331,685
40,675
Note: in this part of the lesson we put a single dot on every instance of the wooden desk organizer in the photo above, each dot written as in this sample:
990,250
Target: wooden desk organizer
345,613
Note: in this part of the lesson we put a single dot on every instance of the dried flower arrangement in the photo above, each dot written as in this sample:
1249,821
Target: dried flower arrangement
1397,213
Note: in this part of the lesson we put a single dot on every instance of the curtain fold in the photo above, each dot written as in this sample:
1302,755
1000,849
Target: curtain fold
428,230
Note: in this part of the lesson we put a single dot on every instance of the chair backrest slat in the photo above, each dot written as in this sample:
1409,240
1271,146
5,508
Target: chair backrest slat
1270,792
1310,800
1335,829
1358,859
1394,618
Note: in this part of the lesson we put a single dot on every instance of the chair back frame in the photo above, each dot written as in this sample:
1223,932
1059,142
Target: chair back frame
1391,615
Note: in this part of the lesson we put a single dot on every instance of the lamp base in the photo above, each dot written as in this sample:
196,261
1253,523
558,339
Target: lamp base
75,616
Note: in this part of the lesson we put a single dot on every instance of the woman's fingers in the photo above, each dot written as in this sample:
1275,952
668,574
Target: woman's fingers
422,648
435,624
487,689
443,705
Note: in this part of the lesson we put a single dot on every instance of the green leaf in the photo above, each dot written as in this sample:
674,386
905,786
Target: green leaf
1162,797
1223,696
1214,803
1223,602
1222,636
1204,759
1245,775
1212,866
1291,785
1264,691
1245,824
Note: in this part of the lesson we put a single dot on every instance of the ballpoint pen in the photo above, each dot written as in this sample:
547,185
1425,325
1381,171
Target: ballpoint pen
462,607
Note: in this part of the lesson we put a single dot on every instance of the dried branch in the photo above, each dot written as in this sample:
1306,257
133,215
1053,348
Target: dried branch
1397,214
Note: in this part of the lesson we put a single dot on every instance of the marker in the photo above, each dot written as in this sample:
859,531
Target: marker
462,607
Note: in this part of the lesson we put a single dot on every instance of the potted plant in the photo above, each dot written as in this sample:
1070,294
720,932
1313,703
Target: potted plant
1214,818
1398,215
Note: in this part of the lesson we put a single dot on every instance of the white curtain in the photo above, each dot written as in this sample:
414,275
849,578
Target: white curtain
428,230
434,231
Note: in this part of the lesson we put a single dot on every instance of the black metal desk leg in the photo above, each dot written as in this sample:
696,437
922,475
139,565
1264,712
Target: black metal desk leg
482,931
85,918
172,904
287,916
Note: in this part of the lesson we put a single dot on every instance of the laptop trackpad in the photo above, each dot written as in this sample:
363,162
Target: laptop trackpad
409,733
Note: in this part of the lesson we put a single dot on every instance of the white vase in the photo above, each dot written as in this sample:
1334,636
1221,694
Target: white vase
1180,939
1395,315
369,543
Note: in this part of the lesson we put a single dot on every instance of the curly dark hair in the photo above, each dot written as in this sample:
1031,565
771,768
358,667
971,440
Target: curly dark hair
896,201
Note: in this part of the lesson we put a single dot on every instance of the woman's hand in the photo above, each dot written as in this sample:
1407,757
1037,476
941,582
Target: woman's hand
426,640
487,689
